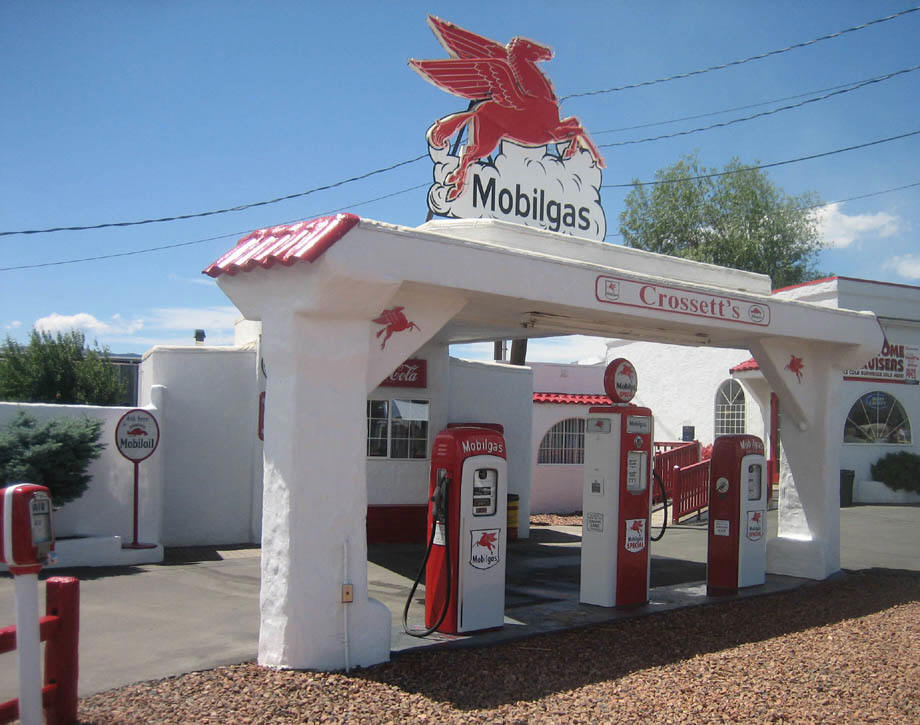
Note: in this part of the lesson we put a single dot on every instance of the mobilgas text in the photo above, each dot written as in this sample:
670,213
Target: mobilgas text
533,206
483,445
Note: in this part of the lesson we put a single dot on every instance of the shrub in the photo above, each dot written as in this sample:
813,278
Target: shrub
55,454
899,471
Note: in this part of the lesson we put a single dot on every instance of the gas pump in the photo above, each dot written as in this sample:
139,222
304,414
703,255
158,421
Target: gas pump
737,514
617,495
465,561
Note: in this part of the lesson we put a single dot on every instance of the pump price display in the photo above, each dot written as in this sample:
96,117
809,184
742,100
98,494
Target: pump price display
484,488
636,467
40,509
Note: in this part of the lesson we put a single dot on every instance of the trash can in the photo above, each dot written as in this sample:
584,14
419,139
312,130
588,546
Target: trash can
513,505
846,487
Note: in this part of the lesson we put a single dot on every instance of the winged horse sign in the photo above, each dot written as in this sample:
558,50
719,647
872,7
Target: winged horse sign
512,108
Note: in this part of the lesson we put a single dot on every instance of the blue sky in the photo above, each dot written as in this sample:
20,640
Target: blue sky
117,111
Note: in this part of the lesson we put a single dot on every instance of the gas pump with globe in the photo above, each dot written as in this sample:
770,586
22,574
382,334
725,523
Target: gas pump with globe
617,495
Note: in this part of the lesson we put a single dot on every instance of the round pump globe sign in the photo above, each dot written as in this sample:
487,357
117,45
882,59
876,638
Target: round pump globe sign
620,381
137,435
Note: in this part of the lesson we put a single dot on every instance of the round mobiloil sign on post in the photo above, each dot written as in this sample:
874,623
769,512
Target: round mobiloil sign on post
136,437
620,381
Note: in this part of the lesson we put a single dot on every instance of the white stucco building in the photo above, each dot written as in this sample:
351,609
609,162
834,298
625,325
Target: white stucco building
699,393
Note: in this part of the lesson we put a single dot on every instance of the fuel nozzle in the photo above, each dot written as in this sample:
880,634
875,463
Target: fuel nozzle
439,498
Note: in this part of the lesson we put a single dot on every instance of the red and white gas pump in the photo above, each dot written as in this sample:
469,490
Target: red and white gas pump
737,514
617,495
465,562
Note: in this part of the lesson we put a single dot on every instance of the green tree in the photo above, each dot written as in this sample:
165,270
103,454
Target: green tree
55,454
58,369
737,219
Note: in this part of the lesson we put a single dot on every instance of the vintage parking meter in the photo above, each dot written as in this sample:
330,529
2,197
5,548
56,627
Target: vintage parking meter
27,539
26,543
737,551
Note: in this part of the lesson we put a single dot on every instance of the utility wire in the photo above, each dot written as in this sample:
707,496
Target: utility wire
114,255
742,60
761,166
733,121
200,214
724,110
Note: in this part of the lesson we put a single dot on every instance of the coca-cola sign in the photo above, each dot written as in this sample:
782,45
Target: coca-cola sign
411,374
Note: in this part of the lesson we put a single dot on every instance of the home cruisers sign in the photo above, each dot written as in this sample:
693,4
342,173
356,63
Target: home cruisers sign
521,162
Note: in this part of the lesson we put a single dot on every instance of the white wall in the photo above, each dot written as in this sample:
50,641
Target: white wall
559,378
556,488
211,447
406,481
679,384
107,507
482,392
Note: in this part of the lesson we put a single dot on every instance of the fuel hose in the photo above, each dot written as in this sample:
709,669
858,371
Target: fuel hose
664,502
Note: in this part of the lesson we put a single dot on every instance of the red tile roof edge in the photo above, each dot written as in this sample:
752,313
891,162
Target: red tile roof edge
284,244
572,398
751,364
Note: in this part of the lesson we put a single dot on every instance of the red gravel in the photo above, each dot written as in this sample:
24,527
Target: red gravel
838,651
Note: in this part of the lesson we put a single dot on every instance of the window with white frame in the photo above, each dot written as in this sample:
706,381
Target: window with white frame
877,417
564,443
729,418
397,428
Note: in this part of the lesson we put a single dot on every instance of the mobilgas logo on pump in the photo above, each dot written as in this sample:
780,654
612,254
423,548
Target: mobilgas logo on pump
483,445
509,155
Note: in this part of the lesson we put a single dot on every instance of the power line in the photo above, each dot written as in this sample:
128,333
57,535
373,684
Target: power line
733,121
722,66
829,203
724,110
761,166
160,248
200,214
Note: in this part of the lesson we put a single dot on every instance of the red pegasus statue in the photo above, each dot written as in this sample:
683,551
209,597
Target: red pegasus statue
511,97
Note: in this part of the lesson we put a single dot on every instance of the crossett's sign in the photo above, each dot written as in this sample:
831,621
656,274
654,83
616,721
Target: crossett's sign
679,301
521,162
411,374
895,363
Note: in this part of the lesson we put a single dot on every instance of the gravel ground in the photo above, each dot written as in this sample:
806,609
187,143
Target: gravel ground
837,651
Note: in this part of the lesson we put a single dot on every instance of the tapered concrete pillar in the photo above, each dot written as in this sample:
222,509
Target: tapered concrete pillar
315,498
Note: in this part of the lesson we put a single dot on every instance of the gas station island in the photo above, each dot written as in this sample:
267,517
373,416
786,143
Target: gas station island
343,302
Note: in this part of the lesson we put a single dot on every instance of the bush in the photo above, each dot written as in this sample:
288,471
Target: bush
55,454
899,471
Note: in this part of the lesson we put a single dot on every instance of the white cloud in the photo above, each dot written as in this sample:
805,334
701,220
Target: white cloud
87,323
14,325
214,318
841,230
906,266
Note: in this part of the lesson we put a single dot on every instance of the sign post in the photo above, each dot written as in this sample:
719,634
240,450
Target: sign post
136,437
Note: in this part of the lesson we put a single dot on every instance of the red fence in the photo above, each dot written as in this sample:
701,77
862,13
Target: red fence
59,629
691,492
670,456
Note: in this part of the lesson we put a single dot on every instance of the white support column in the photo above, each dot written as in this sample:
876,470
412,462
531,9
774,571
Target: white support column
807,379
315,497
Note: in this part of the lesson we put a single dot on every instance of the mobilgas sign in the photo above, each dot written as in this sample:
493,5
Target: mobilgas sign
521,161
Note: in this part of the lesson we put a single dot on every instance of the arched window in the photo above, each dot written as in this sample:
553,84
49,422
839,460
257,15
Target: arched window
564,442
729,408
876,417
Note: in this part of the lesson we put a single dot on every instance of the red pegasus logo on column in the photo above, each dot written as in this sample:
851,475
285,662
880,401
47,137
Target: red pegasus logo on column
393,320
511,98
796,366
